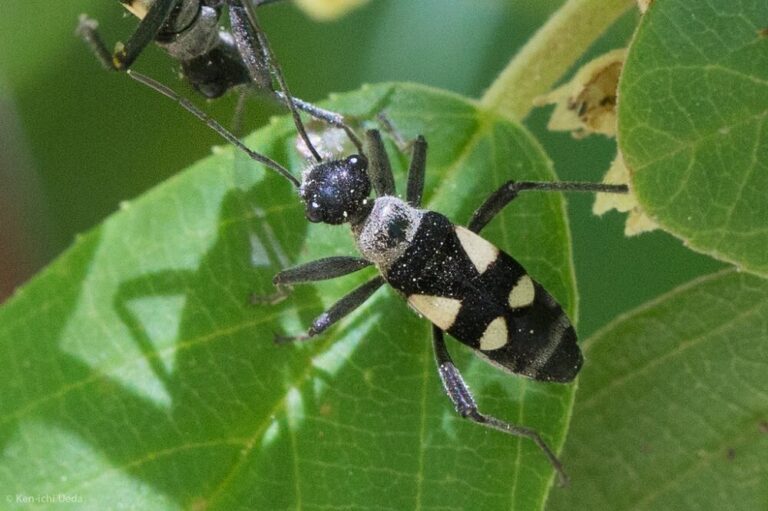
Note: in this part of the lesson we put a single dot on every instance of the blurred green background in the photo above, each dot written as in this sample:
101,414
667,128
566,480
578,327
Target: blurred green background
76,140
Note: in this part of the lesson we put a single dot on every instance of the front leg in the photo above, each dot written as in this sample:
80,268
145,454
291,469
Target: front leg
314,271
417,167
379,168
416,170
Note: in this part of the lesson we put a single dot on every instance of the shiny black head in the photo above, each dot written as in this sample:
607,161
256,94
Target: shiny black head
336,191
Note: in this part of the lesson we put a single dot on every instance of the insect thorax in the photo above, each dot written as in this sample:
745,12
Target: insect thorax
385,234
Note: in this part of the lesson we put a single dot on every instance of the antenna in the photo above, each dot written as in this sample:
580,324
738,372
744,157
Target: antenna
211,123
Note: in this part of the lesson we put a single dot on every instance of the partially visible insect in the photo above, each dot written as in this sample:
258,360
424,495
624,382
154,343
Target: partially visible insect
459,281
213,60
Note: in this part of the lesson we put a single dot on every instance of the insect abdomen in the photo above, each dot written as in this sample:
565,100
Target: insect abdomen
484,298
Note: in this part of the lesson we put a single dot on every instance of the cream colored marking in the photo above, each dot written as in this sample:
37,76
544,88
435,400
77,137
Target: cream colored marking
480,252
522,293
138,8
495,335
439,310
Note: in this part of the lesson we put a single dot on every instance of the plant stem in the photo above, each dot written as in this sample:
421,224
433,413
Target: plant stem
550,53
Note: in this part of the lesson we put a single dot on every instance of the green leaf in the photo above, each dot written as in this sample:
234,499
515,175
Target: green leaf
693,125
672,410
137,374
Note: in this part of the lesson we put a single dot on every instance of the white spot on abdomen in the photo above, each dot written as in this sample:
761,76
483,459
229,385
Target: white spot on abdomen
481,252
495,335
439,310
522,293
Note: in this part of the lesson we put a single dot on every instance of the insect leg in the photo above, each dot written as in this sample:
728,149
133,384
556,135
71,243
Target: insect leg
145,33
418,147
211,123
321,114
509,190
465,405
415,187
88,30
322,269
255,57
258,58
379,168
337,311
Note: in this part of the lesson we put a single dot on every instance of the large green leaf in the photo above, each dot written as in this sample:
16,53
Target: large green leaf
672,411
136,374
693,125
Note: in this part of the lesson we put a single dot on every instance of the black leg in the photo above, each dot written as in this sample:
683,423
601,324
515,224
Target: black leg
337,311
322,269
379,169
465,405
415,184
257,52
259,59
509,190
415,188
146,32
215,126
254,55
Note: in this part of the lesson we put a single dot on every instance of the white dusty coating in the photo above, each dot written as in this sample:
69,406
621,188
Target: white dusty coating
522,293
481,252
440,310
495,335
375,237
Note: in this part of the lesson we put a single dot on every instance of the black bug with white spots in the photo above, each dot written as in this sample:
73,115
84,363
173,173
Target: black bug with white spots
453,277
449,274
456,279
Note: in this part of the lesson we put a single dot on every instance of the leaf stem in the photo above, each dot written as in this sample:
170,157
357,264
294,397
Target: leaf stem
549,54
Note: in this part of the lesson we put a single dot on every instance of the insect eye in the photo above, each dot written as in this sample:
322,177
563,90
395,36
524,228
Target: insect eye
314,212
357,162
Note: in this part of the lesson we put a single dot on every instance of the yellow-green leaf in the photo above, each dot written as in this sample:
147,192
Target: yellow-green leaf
693,125
672,408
